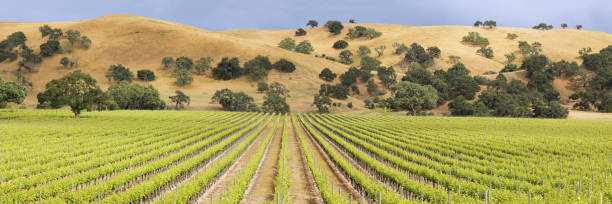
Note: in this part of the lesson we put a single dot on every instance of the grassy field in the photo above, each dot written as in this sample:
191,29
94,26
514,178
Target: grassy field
48,156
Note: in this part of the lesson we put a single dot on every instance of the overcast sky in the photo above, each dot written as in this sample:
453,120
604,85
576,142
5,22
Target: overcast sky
288,14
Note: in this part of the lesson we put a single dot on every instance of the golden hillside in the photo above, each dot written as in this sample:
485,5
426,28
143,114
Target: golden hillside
141,43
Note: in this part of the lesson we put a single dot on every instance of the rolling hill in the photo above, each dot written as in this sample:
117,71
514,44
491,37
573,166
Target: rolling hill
141,43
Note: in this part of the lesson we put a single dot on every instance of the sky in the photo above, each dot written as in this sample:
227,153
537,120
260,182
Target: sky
290,14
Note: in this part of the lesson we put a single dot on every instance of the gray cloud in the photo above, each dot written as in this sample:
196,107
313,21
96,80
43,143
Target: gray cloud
288,14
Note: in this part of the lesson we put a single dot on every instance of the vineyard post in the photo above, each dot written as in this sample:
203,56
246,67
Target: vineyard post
379,197
529,199
589,194
485,197
449,197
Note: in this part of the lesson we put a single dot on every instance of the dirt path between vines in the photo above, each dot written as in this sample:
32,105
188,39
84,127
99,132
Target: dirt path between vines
221,185
300,190
262,190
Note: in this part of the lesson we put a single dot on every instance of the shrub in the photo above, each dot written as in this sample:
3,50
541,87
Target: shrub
349,77
399,48
380,50
258,67
184,63
434,51
262,87
345,57
490,72
475,39
543,26
202,65
168,62
49,48
340,44
145,75
481,80
300,32
119,73
327,75
363,50
135,97
337,91
372,87
275,104
335,27
304,47
486,52
360,31
511,36
183,77
287,44
312,23
454,59
349,105
417,53
228,69
322,103
234,101
510,58
284,65
65,62
369,63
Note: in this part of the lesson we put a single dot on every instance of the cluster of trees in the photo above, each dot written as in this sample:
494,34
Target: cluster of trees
8,45
543,26
275,100
340,44
448,84
182,67
304,47
417,54
474,38
596,91
80,91
360,31
487,23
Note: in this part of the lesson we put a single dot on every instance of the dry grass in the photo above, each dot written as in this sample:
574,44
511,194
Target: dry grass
141,43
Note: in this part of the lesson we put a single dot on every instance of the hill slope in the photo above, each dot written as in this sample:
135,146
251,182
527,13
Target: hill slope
141,43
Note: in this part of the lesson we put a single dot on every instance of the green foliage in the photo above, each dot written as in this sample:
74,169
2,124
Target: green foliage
327,75
349,77
300,32
337,91
534,63
434,51
461,107
12,92
346,57
549,110
179,99
258,67
489,72
278,89
416,53
262,87
349,105
75,38
564,25
65,62
6,46
168,62
322,103
511,36
287,44
578,27
454,59
477,23
340,44
543,26
387,76
234,101
564,68
135,97
145,75
334,27
22,80
360,31
399,48
183,63
380,50
312,23
75,89
363,50
304,47
372,87
228,69
490,23
413,97
183,77
202,65
49,48
119,73
274,103
533,49
418,74
584,51
369,63
284,65
474,38
510,68
486,52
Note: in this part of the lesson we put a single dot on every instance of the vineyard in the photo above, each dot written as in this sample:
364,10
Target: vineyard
47,156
